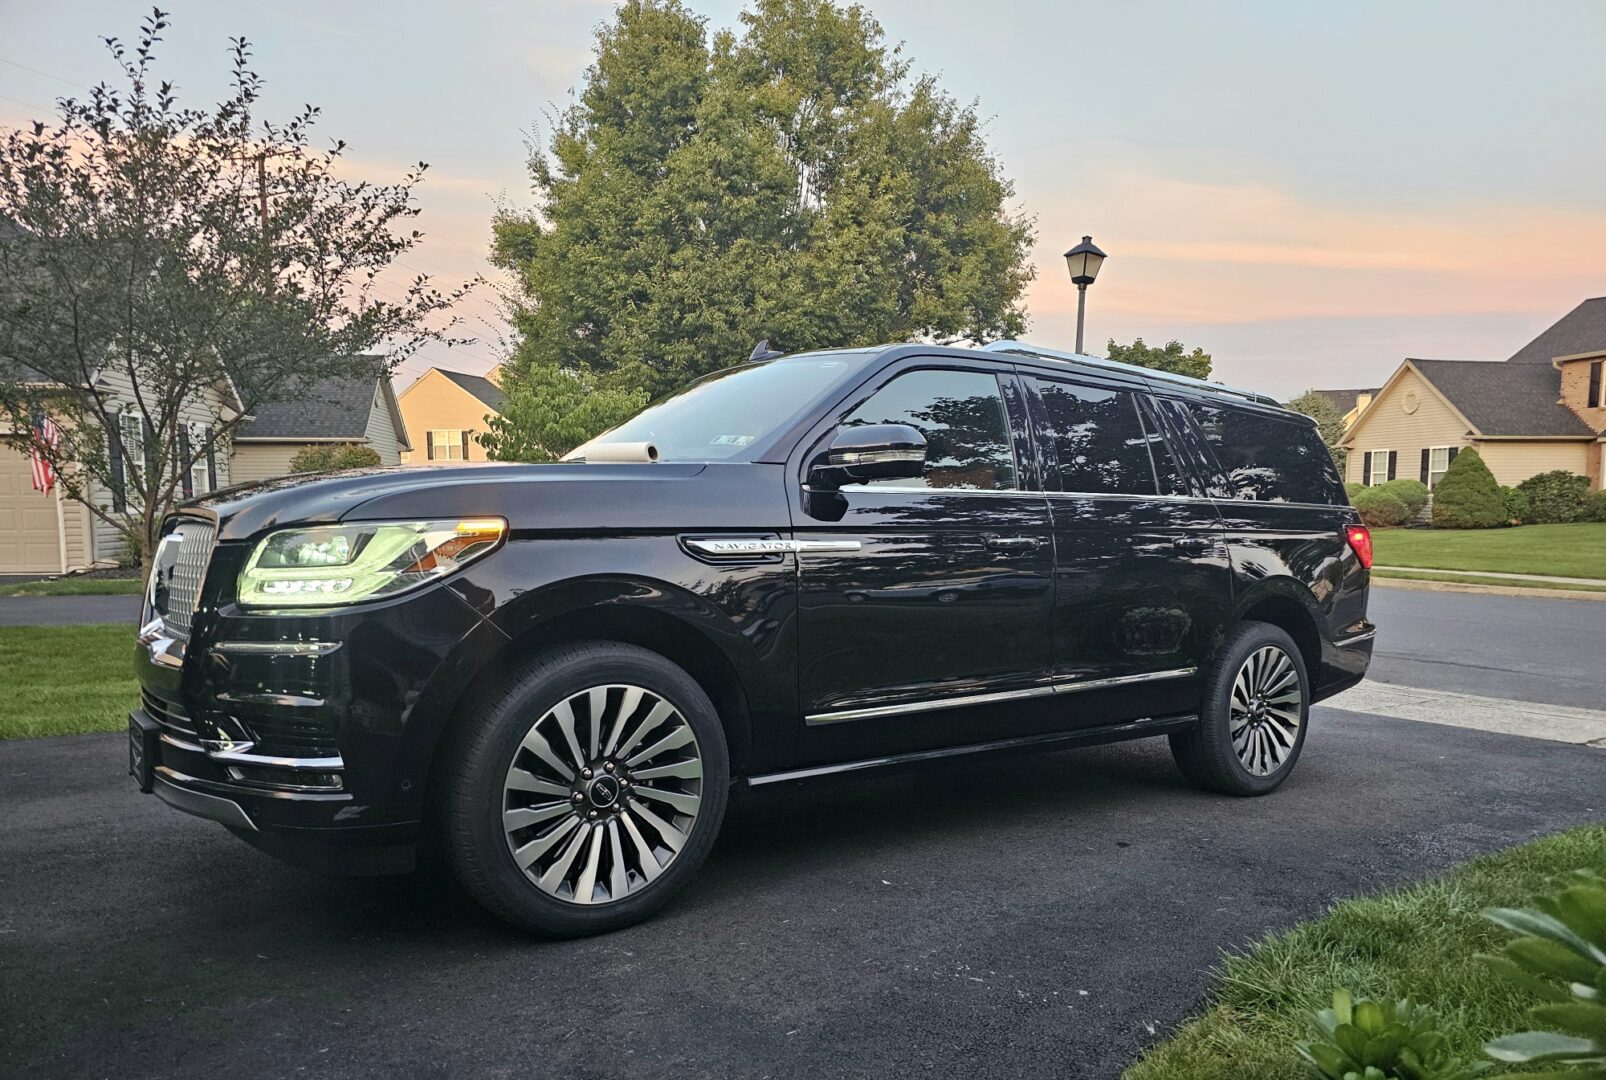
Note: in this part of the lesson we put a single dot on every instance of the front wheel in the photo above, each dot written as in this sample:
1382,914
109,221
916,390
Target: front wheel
588,792
1253,716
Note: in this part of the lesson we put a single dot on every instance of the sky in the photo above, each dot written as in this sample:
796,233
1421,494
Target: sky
1311,192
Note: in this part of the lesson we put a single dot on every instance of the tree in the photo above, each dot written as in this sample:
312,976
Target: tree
1467,495
334,457
150,250
1329,421
549,412
1170,358
790,182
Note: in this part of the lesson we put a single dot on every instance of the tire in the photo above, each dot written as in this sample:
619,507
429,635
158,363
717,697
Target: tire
1248,694
510,816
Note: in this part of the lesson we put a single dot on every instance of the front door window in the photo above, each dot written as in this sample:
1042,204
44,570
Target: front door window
962,416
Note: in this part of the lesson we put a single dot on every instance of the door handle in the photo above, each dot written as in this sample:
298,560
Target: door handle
1014,543
1193,543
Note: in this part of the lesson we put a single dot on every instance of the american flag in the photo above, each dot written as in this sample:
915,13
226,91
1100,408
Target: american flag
45,435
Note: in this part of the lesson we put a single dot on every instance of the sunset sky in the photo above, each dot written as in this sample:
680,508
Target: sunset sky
1310,192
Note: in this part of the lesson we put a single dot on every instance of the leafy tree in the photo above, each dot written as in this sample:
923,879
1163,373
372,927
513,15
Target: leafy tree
161,249
1329,421
792,181
334,457
1170,358
1467,496
549,412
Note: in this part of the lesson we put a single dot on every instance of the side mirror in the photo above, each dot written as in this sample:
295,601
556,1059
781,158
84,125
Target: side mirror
856,455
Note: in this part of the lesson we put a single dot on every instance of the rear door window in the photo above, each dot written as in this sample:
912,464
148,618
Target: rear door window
1094,436
1266,458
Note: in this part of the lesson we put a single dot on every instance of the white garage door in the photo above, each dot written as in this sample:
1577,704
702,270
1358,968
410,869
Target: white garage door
29,542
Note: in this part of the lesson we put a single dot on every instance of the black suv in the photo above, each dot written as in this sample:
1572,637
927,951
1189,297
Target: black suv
800,566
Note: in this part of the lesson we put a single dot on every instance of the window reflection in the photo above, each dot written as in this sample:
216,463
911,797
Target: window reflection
961,414
1101,446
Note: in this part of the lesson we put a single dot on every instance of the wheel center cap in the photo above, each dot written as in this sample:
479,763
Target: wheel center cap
604,791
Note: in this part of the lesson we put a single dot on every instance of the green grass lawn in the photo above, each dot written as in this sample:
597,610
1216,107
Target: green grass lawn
1465,579
1419,941
65,680
1563,550
76,586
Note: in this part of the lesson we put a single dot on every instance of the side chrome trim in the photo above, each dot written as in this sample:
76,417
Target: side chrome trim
1062,685
213,807
707,546
277,648
1344,643
1135,729
173,740
243,756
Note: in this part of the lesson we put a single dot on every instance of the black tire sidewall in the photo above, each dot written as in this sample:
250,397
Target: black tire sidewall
475,811
1212,746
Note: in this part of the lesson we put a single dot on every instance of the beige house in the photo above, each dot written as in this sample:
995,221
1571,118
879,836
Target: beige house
445,411
1349,402
359,411
1541,409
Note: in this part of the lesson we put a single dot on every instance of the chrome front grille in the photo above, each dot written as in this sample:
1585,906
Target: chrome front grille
181,564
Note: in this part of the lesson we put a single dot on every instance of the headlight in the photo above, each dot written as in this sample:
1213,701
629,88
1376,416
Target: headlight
345,564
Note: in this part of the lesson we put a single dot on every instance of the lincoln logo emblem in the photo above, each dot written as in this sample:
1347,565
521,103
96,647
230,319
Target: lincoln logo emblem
604,790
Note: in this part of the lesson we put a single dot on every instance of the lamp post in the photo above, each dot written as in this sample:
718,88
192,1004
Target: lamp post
1084,261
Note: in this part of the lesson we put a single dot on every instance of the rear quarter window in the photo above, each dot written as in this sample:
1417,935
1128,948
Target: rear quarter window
1267,458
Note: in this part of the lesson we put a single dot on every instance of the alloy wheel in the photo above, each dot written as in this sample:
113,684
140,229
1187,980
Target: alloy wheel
602,794
1265,710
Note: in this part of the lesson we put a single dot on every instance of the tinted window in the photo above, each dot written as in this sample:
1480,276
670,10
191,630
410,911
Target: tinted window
961,414
1167,471
1097,438
1267,458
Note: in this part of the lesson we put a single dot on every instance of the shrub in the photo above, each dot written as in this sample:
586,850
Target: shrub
1467,497
1516,504
1556,497
1413,493
1380,509
1596,505
333,457
1353,489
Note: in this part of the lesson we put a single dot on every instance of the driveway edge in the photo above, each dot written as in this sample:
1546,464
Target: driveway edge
1492,590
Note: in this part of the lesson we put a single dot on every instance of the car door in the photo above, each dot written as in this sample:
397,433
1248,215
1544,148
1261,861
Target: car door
1142,584
925,602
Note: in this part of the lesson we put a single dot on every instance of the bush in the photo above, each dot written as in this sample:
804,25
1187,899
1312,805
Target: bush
1468,497
1516,504
1413,493
1353,489
1596,506
1380,509
333,457
1556,497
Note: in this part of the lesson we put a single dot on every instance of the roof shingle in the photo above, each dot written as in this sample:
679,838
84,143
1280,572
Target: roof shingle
1581,330
332,409
1504,398
478,385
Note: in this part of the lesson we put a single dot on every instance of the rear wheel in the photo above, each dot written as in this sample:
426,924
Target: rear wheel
590,791
1253,715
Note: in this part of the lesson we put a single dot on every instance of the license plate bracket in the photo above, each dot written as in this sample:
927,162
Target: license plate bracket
144,749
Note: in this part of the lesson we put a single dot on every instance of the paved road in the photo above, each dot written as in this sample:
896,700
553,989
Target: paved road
1022,917
66,610
1496,646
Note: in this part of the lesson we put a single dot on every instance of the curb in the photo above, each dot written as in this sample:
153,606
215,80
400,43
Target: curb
1490,590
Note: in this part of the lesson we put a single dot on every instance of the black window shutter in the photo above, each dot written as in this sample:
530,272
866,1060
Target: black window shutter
429,446
1454,450
114,456
185,481
1394,459
1594,384
1426,458
465,446
1366,469
211,461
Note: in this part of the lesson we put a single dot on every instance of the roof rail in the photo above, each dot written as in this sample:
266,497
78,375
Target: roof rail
1026,349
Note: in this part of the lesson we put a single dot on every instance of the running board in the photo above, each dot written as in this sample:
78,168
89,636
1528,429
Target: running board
1134,729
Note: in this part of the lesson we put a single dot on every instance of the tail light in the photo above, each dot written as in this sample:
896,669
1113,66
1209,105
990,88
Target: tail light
1360,542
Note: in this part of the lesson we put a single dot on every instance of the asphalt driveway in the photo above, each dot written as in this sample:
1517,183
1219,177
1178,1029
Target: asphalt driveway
1041,916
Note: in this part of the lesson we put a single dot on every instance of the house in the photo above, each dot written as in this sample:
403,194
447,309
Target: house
337,410
47,533
445,410
1540,409
1349,403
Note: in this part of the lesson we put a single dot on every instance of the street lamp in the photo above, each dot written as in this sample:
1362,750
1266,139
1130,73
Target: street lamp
1084,261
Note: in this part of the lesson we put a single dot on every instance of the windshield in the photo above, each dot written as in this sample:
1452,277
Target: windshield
717,418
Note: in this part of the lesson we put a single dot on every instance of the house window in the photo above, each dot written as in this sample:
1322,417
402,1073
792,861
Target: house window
198,467
1380,467
131,433
1597,391
447,444
1438,465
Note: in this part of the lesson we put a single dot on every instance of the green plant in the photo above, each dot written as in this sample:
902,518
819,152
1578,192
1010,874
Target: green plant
1353,489
1467,497
1516,501
1381,1040
328,457
1413,493
1556,497
1596,506
1559,956
1380,509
